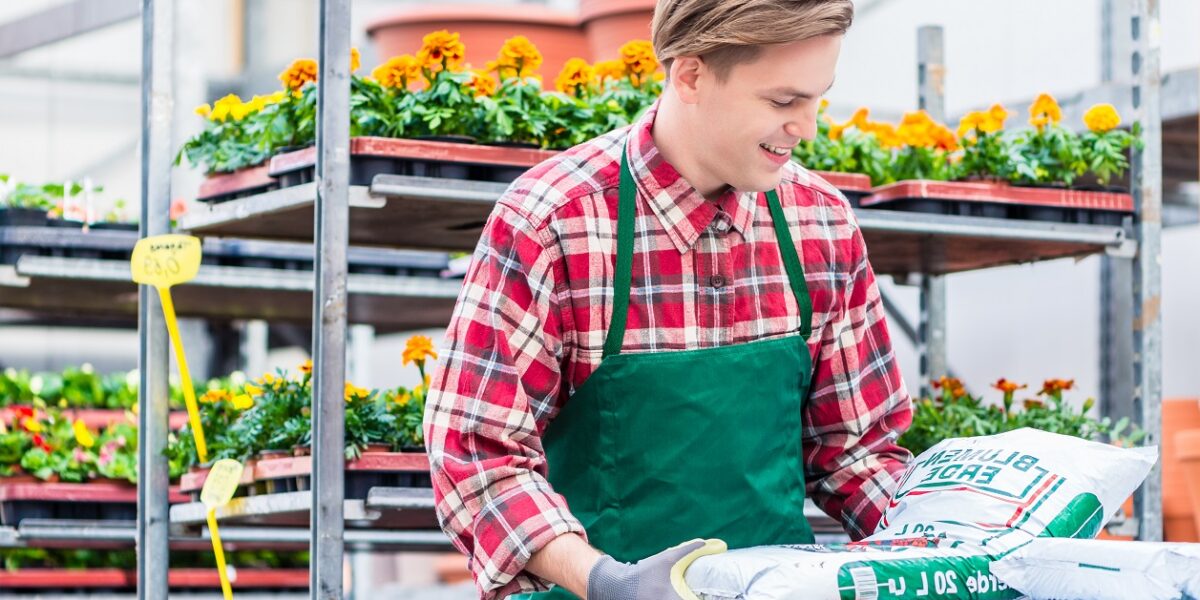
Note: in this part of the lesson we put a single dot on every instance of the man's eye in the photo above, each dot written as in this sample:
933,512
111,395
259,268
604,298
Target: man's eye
778,104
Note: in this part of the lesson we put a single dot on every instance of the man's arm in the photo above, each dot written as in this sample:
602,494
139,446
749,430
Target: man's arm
567,561
490,398
858,405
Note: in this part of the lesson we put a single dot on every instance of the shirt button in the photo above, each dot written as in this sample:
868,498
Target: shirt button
717,281
721,225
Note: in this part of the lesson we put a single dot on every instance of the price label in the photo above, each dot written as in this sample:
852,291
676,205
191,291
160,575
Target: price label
165,260
222,482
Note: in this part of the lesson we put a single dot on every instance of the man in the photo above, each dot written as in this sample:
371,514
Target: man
670,332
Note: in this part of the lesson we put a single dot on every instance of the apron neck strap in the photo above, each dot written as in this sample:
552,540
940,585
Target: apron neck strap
624,273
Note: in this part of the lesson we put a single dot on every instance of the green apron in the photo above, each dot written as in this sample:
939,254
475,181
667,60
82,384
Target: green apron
655,449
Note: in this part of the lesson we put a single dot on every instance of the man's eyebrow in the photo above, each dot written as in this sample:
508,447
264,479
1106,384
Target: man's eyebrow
790,91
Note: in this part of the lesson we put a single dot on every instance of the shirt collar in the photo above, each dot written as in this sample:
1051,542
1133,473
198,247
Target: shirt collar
682,210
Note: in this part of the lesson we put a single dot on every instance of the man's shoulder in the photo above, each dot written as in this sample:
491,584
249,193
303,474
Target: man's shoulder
579,173
801,177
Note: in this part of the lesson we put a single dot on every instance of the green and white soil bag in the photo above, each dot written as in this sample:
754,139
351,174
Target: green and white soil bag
1102,570
960,506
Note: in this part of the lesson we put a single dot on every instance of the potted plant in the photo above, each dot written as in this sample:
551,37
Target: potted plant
1104,145
22,204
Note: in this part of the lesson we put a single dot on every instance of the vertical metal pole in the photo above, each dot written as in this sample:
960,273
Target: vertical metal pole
1116,274
931,329
153,480
331,229
1147,272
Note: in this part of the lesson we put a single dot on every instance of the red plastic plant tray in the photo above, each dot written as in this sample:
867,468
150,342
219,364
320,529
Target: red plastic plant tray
223,186
98,491
847,182
95,418
292,466
177,578
1001,194
479,154
193,481
1000,200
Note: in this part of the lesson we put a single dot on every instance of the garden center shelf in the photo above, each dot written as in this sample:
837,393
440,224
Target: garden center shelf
430,213
51,285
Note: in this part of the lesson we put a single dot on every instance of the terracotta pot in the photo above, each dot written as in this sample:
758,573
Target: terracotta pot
1187,448
483,29
452,568
608,24
1178,414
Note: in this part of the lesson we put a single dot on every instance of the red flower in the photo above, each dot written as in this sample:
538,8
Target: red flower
41,442
24,411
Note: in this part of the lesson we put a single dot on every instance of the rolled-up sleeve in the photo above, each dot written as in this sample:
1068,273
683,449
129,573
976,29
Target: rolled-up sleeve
858,405
497,382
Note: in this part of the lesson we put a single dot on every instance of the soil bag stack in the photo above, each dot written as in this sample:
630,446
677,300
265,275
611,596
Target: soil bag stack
961,506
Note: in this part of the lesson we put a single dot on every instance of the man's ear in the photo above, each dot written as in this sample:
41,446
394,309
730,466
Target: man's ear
687,75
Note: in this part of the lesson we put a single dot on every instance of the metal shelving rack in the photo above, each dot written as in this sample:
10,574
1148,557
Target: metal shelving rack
932,247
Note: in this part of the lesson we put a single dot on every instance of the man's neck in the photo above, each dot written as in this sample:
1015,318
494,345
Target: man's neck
672,136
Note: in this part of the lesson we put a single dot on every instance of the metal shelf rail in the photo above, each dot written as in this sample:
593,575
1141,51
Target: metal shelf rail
331,206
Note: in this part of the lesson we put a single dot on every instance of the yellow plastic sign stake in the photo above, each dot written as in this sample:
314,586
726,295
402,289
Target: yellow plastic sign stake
219,487
163,261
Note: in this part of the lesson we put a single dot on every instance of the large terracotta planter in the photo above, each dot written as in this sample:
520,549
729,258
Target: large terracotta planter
1179,508
1187,447
608,24
483,29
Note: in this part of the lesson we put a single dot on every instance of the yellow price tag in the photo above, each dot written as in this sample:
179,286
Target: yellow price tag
166,260
163,261
221,483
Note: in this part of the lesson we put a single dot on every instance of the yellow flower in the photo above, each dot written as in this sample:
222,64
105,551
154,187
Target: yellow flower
223,108
575,76
609,69
267,379
398,72
82,435
253,390
997,115
1045,109
639,59
824,105
518,57
242,401
355,59
214,396
403,399
441,50
306,368
353,391
1101,118
203,110
31,425
482,83
299,73
859,119
417,349
971,122
835,131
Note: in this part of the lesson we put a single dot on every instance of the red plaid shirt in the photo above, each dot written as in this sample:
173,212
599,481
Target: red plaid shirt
534,310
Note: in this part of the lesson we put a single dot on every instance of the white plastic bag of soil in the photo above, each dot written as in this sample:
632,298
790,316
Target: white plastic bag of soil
961,505
1102,570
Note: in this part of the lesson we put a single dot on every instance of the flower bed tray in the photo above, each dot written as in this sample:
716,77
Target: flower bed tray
24,499
854,186
192,482
371,156
997,200
121,579
372,469
221,187
94,418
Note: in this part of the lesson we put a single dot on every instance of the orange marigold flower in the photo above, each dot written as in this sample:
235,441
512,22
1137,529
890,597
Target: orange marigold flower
398,72
609,69
442,50
481,83
639,59
299,73
1046,110
417,349
1102,118
518,57
575,77
355,59
1007,386
1056,386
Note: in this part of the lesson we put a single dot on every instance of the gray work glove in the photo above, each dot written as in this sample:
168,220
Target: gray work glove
649,578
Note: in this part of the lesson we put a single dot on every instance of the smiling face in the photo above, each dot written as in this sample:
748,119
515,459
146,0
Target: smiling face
740,132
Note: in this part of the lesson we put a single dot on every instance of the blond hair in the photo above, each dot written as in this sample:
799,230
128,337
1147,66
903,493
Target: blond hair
726,33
